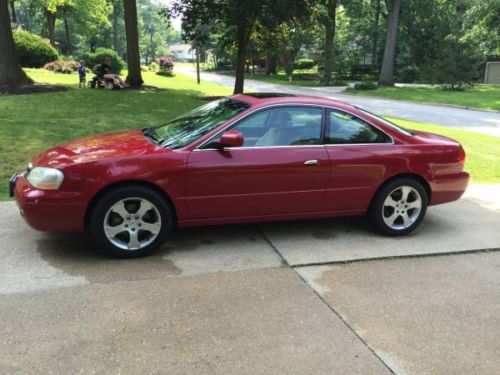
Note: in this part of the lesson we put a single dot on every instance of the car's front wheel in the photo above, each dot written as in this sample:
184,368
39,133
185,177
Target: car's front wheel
399,207
131,221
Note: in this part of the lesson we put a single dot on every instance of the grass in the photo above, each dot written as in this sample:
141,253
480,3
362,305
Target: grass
483,151
483,97
32,123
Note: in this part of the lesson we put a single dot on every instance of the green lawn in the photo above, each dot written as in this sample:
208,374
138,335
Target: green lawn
483,151
484,96
31,123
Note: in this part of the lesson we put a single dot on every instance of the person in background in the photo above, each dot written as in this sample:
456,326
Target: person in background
82,74
107,73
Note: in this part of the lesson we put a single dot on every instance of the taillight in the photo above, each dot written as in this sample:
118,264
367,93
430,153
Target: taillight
461,156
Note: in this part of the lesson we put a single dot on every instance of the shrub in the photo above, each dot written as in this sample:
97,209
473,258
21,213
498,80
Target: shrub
456,65
368,85
153,66
304,64
97,57
409,74
60,66
32,50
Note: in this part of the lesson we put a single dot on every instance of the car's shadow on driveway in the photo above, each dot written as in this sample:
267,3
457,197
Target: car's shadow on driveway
456,227
189,251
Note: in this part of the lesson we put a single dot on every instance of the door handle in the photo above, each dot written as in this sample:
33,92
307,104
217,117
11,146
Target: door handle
311,162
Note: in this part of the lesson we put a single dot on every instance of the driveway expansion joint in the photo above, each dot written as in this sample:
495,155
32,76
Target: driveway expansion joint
363,341
395,257
286,264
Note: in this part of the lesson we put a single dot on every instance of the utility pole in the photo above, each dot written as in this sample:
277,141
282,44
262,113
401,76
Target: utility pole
198,62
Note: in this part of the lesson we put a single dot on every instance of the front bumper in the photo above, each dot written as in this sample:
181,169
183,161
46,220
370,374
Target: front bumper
48,211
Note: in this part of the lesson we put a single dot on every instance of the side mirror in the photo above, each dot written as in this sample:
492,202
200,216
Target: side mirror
231,138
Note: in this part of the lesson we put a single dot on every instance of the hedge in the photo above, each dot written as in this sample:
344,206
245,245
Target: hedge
32,50
97,57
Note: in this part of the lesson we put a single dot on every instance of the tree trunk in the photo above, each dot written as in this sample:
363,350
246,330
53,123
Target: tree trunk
13,10
329,23
375,36
270,62
68,38
11,73
116,37
51,25
387,72
243,37
134,77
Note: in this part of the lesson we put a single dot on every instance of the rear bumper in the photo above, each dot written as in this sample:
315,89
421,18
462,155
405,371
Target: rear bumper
48,211
449,189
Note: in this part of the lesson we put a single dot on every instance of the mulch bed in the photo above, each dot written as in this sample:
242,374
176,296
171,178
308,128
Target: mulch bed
32,89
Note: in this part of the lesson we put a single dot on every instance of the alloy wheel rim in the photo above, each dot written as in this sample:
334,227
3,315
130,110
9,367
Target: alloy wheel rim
402,207
132,223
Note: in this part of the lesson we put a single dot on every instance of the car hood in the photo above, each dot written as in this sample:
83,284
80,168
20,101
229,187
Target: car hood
129,143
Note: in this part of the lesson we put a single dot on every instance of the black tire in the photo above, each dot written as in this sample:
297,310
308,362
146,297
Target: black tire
131,194
378,212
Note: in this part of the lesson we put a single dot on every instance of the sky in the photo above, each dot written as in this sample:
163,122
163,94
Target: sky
176,22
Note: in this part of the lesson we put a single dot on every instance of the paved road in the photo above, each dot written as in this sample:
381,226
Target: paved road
478,121
249,299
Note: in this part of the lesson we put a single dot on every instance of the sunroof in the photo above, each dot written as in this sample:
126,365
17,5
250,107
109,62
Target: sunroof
265,95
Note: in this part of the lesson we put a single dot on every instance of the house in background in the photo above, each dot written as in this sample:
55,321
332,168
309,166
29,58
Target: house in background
183,52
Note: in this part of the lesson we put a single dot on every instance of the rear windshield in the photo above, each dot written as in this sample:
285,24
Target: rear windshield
186,129
388,123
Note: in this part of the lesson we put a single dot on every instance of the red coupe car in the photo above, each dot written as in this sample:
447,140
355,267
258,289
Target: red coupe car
246,158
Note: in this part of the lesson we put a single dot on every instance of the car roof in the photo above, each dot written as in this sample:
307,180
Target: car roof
269,98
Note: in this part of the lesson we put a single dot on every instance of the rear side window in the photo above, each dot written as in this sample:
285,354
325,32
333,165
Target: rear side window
344,128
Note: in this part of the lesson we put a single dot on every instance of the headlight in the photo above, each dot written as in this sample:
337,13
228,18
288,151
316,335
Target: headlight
45,178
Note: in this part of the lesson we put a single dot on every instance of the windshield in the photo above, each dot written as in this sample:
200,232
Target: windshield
388,123
184,130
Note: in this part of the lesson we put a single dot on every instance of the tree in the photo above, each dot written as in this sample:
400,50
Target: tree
327,17
13,10
154,30
387,72
238,20
455,67
134,77
11,73
375,34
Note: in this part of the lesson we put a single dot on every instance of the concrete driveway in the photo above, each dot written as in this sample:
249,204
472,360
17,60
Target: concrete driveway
253,299
474,120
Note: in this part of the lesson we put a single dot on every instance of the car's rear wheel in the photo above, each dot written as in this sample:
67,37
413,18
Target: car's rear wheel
131,221
399,206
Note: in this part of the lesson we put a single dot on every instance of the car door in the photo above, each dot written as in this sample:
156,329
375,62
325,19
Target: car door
359,154
282,168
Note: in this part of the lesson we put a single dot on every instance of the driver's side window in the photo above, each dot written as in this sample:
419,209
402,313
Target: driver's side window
282,126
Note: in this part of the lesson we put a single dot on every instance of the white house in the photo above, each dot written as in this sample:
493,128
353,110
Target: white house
183,52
